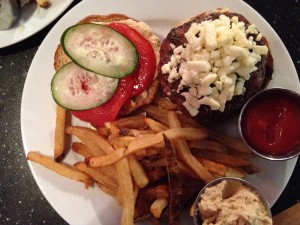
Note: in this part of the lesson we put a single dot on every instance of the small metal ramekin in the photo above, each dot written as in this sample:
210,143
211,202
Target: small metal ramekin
197,217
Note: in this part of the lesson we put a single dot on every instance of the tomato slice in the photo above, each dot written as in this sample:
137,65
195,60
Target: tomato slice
109,110
145,71
129,86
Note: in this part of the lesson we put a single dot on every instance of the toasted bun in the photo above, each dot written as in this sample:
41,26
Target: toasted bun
60,58
259,79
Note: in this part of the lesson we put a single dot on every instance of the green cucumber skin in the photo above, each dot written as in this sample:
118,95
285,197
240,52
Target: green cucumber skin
118,72
67,106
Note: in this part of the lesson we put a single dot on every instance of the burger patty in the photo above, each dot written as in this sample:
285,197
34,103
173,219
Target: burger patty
258,79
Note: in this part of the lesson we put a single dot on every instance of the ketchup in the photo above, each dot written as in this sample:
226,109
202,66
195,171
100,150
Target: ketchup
271,123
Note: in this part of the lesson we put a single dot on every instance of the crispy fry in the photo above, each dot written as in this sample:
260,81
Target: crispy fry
186,171
185,133
59,137
184,152
157,113
159,191
91,135
137,172
121,141
230,142
135,132
160,118
234,172
43,3
222,158
60,168
81,149
154,125
155,110
114,130
158,206
97,161
164,103
127,192
133,122
86,139
98,175
103,131
214,167
188,121
107,190
208,144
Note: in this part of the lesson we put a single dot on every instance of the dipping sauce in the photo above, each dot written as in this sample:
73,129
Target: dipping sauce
270,123
231,201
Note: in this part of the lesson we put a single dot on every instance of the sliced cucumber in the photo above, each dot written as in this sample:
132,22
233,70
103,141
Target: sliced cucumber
78,89
100,49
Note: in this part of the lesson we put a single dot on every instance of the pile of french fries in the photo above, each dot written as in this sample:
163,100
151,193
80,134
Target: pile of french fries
124,158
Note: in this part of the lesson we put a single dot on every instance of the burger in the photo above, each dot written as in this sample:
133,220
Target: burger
106,67
211,64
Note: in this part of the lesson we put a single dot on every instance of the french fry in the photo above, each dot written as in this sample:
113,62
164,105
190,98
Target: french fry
230,142
90,135
222,158
133,122
159,191
81,149
107,190
43,3
97,161
86,139
60,168
59,136
164,103
135,132
208,145
184,152
121,141
103,131
137,172
158,206
126,191
214,167
188,121
174,133
160,118
155,110
234,172
97,175
186,171
113,129
157,113
154,125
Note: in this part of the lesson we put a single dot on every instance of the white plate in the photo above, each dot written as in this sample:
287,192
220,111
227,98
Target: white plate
32,19
79,206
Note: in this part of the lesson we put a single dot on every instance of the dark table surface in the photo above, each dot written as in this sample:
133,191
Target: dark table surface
21,201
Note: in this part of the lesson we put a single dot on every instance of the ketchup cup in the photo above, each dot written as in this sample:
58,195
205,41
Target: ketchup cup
269,124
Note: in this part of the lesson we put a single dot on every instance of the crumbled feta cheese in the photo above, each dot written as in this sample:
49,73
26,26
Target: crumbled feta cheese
215,63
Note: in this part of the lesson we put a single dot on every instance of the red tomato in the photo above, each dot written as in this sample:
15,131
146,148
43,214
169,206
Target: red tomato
109,110
145,71
129,86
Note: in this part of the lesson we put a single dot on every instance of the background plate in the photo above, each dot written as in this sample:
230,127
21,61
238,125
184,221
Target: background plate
32,19
79,206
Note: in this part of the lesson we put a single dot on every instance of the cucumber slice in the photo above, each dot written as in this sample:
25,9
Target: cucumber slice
78,89
100,49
